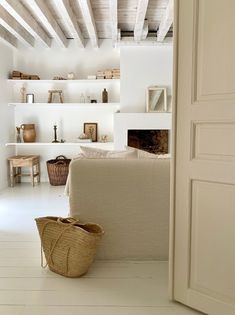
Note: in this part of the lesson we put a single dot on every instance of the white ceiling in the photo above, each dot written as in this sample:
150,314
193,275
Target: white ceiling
139,21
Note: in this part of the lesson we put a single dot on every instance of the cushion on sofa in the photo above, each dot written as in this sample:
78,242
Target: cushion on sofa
142,154
95,153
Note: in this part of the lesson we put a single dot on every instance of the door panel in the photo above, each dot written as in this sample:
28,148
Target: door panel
211,38
204,177
213,229
213,140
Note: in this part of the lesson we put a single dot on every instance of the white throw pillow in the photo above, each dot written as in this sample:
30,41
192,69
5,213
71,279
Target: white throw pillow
94,153
141,154
146,155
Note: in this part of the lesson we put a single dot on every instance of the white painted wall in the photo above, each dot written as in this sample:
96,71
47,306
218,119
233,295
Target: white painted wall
140,68
48,63
6,114
55,61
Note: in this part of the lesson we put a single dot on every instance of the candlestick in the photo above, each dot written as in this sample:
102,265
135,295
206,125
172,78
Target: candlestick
55,135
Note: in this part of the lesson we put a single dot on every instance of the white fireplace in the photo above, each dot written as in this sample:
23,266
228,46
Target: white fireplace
138,121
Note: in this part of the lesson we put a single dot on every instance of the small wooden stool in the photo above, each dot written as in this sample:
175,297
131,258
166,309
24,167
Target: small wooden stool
55,92
18,161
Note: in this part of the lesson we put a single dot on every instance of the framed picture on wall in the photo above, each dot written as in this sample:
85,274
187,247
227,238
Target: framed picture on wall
156,99
91,131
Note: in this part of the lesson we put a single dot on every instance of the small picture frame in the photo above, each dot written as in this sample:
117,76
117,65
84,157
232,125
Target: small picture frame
30,98
156,99
91,131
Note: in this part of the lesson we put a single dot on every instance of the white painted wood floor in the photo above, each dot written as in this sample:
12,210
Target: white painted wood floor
109,288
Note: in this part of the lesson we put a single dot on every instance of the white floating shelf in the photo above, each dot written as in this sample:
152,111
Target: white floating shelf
60,144
33,105
65,81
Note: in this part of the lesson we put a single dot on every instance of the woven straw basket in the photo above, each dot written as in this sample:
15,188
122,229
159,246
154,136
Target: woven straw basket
69,245
58,170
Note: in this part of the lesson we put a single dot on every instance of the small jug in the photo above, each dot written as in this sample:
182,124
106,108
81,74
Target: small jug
29,132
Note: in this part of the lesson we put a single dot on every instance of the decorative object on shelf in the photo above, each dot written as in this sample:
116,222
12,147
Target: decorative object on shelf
34,77
55,134
100,74
91,130
17,75
104,96
156,99
104,138
62,141
115,73
29,132
23,94
108,74
59,78
30,98
83,136
53,93
58,169
71,76
88,99
18,135
82,98
93,101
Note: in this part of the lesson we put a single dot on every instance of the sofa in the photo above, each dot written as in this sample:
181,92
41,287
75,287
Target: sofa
130,199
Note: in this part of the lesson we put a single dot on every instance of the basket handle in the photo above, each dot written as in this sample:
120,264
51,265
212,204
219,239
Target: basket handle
70,220
58,238
60,157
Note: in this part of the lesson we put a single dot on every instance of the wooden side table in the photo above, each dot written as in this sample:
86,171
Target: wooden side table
19,161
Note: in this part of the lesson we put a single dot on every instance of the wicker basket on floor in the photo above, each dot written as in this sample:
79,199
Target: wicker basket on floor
69,245
58,170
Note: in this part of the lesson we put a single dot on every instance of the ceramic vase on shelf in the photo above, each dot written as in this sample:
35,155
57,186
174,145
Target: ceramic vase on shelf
29,132
18,136
104,96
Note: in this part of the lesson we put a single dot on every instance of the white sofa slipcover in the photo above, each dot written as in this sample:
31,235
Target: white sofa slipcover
129,198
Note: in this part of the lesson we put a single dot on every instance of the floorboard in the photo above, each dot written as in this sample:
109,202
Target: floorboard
109,288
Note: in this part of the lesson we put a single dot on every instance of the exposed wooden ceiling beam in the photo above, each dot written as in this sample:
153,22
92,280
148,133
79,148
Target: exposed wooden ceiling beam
10,24
89,20
70,20
140,17
145,30
166,21
20,13
45,16
7,37
114,19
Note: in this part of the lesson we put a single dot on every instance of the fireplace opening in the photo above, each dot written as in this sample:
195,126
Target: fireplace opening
152,141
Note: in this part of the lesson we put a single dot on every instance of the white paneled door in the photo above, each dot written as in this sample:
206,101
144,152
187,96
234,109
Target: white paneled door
204,176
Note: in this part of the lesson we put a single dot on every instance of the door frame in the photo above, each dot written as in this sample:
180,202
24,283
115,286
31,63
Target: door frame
173,153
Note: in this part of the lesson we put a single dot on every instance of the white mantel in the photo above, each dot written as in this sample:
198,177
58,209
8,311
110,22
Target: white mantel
146,121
